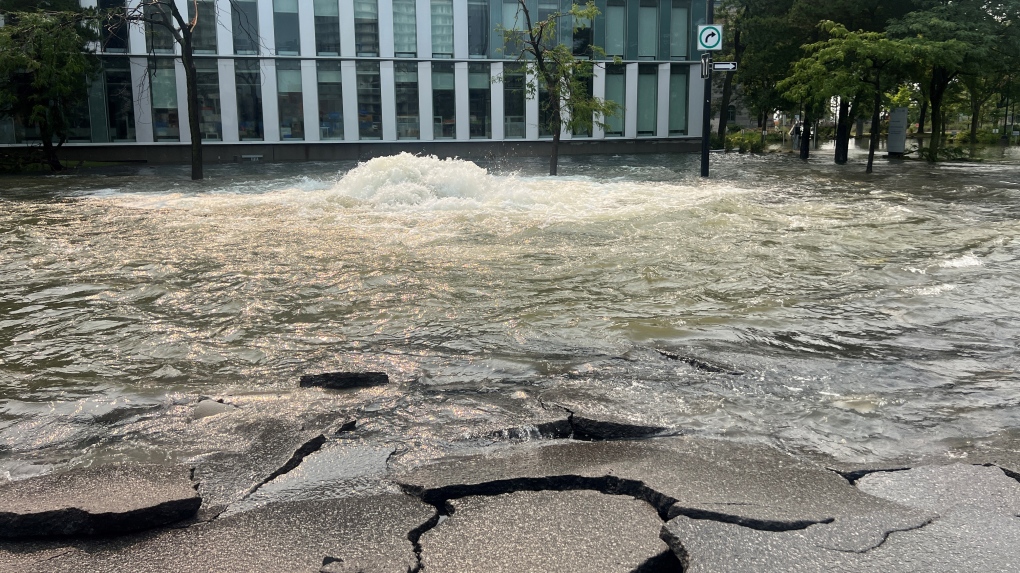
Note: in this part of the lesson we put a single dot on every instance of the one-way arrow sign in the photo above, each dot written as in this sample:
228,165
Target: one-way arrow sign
724,66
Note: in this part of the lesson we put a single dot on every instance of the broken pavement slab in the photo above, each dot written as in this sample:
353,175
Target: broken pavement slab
974,528
544,531
751,485
302,536
104,500
275,447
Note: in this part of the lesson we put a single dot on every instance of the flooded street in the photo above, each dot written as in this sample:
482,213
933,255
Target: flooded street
803,305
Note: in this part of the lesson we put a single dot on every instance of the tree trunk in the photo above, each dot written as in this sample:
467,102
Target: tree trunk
975,118
49,152
875,127
939,82
843,133
194,113
923,118
724,105
805,138
554,157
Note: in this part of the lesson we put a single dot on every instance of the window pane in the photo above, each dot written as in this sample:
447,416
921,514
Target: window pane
444,101
405,29
331,101
119,101
545,111
158,39
369,101
616,28
512,21
589,85
116,40
678,100
480,100
442,28
203,39
244,16
287,27
616,90
208,78
582,37
163,86
249,100
678,27
478,27
514,94
366,27
291,104
327,27
406,75
648,29
648,91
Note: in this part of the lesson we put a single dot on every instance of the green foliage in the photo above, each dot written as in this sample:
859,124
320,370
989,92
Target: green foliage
744,142
45,67
564,76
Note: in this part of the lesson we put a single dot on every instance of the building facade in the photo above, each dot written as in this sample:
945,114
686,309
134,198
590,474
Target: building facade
319,72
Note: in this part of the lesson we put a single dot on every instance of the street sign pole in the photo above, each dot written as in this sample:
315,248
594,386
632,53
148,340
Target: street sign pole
706,119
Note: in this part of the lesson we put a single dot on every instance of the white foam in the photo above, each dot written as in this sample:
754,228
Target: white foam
961,262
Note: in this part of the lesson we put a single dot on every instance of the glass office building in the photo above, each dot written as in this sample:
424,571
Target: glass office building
333,71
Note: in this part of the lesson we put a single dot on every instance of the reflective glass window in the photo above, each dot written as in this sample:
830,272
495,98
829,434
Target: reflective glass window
546,113
444,101
327,27
513,22
208,84
249,100
116,37
478,28
647,98
480,100
679,25
120,103
406,79
203,38
582,37
514,97
158,39
616,91
331,100
163,87
366,27
290,100
244,18
405,29
287,27
442,28
369,101
616,27
648,29
678,99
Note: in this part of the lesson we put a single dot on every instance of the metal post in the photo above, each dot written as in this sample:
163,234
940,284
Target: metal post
706,120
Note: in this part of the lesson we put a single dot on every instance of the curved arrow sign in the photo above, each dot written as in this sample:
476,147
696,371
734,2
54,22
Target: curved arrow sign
709,37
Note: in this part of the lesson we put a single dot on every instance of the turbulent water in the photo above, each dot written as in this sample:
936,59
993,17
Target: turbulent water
811,306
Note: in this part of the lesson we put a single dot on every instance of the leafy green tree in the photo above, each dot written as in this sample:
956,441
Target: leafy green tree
853,65
948,38
45,67
570,104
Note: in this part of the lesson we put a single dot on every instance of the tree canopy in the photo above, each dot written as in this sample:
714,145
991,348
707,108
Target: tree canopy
46,63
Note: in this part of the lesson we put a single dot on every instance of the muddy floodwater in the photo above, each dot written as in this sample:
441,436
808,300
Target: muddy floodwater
804,305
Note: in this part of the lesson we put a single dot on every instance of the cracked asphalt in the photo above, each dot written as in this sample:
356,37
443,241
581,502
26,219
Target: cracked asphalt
304,501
